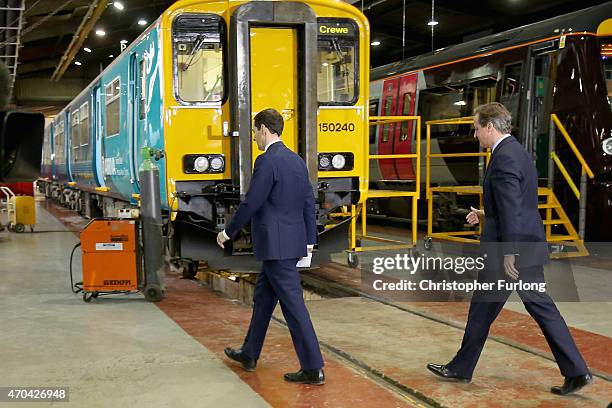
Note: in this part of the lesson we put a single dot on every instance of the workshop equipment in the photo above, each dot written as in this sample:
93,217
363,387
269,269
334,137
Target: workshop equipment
21,211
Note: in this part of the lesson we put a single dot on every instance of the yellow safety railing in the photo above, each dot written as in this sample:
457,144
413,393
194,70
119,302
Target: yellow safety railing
360,209
457,236
573,237
585,167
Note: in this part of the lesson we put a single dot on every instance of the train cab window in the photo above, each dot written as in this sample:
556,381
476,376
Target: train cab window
198,43
406,102
113,98
75,141
511,88
338,53
606,62
84,127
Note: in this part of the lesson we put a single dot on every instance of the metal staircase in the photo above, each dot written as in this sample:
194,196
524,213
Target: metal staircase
11,18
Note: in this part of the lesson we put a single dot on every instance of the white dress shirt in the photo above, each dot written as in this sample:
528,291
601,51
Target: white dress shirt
496,143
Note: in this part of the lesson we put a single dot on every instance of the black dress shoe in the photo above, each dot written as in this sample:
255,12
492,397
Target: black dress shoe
572,384
442,371
315,377
247,362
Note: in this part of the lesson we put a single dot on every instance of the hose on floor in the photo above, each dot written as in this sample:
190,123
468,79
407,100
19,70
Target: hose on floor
74,287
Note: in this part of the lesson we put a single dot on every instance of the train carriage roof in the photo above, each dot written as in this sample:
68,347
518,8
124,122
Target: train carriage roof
586,20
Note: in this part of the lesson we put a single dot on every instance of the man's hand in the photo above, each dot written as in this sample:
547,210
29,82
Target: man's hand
474,216
509,267
221,239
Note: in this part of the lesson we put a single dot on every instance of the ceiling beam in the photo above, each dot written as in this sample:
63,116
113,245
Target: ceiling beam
93,15
47,6
37,66
43,90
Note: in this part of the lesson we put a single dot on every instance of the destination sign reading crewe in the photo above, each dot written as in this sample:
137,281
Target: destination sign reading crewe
336,29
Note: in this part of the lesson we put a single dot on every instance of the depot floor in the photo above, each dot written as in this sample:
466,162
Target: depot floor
122,350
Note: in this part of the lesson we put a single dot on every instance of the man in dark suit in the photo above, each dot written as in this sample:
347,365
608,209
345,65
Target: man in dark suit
514,242
280,206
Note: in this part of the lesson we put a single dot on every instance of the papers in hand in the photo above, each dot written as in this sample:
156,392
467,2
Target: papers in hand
305,261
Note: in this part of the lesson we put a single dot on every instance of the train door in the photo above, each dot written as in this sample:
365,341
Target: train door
386,132
70,150
98,140
273,64
136,115
403,137
274,78
541,77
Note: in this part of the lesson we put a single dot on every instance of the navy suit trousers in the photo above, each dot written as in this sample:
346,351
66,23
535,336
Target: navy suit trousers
483,311
279,281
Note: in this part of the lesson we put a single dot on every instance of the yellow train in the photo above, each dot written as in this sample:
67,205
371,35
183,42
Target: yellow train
189,87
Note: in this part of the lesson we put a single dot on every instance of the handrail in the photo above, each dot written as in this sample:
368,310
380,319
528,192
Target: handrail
467,120
571,144
565,174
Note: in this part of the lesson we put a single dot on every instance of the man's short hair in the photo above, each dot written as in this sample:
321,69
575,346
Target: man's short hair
496,114
5,83
272,119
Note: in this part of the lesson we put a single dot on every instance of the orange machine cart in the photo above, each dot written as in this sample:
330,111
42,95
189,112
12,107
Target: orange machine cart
111,257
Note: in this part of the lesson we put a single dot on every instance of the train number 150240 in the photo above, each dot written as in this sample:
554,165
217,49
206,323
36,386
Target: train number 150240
336,127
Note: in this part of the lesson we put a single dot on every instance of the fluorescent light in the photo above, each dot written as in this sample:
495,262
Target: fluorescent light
118,5
100,32
87,49
375,43
123,42
432,23
460,103
142,22
111,56
77,63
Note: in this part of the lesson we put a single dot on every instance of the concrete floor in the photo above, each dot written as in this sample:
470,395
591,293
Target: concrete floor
123,350
114,352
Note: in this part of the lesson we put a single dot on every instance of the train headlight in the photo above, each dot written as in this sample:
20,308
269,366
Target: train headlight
201,164
324,162
342,161
339,161
606,145
217,163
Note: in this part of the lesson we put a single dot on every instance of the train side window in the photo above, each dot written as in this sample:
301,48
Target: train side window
113,96
338,66
143,90
84,124
387,112
84,129
58,139
75,141
405,112
511,88
198,43
373,112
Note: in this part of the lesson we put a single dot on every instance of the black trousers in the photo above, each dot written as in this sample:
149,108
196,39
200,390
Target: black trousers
279,281
484,309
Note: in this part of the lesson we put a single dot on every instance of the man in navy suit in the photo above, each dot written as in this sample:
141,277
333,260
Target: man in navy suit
280,207
514,242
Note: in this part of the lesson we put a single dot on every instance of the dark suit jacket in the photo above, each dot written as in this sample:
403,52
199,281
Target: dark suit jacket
512,221
280,205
